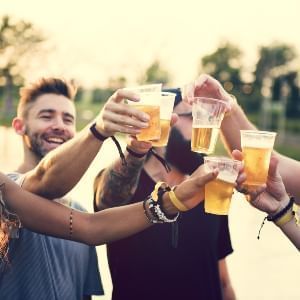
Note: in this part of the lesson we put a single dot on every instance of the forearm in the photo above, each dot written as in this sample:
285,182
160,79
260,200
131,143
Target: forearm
231,126
51,218
289,170
63,167
292,232
116,185
227,289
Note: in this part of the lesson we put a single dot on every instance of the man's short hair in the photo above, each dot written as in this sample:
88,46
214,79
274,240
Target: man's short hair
30,93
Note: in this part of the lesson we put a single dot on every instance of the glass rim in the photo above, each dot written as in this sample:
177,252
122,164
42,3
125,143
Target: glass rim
210,99
167,94
222,159
259,132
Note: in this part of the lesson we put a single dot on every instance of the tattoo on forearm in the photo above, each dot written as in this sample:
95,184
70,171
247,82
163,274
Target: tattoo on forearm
118,183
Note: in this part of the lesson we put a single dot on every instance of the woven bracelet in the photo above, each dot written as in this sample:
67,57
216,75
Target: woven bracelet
282,212
135,154
97,134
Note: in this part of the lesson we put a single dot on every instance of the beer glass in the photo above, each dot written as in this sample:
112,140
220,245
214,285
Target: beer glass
257,147
166,109
208,114
218,192
150,104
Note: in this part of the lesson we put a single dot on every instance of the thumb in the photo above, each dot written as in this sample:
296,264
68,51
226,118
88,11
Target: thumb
273,168
202,180
237,154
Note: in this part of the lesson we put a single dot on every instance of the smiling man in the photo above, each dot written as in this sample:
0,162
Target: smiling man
43,267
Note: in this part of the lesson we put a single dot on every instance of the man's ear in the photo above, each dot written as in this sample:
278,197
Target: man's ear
19,126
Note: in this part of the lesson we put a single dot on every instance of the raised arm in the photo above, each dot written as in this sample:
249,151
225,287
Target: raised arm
274,200
234,121
63,167
54,219
115,185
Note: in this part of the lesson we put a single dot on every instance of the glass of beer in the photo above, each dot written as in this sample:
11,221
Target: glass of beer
166,109
150,104
257,147
208,114
218,192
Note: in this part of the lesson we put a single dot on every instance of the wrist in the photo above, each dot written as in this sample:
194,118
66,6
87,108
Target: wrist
98,133
135,153
281,205
168,206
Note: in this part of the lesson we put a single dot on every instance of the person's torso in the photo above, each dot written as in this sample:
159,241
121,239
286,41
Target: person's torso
149,266
44,267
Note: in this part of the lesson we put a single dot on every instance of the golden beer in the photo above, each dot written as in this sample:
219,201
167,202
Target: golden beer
152,132
256,161
218,195
204,139
164,136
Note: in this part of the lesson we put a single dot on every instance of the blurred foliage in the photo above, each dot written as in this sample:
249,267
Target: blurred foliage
270,88
19,41
155,74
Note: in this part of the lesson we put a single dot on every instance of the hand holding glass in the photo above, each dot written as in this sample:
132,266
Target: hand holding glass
218,192
150,104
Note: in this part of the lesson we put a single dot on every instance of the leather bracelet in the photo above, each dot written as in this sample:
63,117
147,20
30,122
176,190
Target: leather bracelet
281,213
137,155
97,134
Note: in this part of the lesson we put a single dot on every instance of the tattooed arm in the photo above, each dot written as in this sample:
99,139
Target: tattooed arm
117,184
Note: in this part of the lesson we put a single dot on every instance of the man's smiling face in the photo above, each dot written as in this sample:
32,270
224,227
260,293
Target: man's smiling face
49,123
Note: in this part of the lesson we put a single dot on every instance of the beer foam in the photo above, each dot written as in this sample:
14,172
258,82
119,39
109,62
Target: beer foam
259,143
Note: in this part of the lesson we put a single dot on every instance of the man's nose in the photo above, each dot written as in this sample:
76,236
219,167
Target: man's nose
58,124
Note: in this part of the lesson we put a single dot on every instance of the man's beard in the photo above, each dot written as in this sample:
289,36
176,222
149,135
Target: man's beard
35,144
179,154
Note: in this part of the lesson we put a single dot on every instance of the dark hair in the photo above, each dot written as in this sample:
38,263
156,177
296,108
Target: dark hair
30,93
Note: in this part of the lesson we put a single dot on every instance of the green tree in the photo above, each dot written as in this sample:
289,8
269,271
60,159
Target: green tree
19,41
273,74
225,65
155,74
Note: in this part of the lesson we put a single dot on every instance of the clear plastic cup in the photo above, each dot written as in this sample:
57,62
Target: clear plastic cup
208,114
166,109
218,192
257,147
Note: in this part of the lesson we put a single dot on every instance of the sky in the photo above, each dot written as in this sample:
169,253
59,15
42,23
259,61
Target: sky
94,40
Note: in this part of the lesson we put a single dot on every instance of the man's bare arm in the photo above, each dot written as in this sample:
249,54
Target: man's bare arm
63,167
117,184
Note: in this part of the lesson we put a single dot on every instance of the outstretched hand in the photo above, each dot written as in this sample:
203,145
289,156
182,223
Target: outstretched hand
191,190
272,196
206,86
117,116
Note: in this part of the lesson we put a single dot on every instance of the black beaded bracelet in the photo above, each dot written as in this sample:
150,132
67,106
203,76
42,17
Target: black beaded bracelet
282,212
97,134
137,155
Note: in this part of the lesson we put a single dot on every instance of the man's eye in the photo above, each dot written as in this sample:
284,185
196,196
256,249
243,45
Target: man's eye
45,117
69,121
